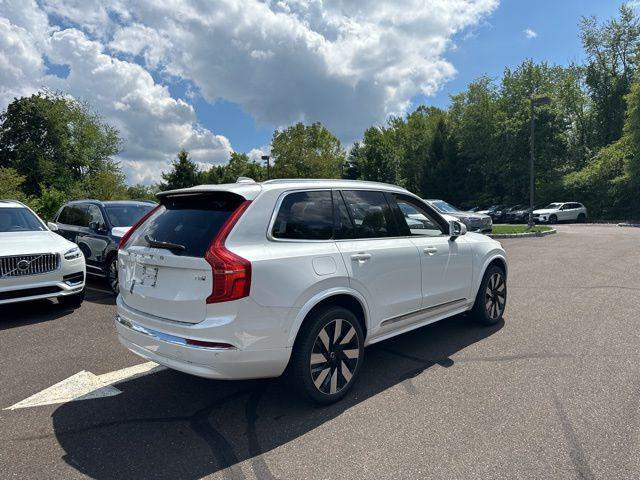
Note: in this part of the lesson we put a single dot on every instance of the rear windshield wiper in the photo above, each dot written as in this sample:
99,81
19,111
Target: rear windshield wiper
167,245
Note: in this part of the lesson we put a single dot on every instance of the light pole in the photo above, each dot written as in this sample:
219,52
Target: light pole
535,102
266,159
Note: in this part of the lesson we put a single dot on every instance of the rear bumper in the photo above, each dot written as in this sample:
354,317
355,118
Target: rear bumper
171,350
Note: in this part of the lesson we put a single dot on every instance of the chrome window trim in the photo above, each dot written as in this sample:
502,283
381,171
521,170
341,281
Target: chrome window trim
282,196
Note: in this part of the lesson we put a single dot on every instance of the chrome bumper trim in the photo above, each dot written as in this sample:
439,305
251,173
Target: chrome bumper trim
165,337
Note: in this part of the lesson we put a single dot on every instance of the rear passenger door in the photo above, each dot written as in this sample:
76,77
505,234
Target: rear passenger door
69,221
92,237
381,265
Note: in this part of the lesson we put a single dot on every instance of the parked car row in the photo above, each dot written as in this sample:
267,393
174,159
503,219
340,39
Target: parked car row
97,227
552,213
36,263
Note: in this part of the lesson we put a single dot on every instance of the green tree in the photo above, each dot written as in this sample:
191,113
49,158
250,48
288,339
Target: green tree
10,184
380,155
49,202
184,173
142,192
239,166
611,49
306,151
106,185
55,141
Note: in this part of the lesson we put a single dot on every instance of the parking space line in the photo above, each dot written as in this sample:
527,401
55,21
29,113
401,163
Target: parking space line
101,290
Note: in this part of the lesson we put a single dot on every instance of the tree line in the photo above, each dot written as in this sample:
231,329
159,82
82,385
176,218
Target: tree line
473,153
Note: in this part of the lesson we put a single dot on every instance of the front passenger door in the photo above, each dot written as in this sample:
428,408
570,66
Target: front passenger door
446,264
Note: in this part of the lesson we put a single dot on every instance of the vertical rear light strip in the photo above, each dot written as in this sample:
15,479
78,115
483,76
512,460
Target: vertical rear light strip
231,273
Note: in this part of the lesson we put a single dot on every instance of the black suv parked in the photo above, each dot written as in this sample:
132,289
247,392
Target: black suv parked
96,227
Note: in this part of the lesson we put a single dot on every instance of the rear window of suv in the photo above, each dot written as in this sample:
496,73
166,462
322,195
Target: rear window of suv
305,216
189,221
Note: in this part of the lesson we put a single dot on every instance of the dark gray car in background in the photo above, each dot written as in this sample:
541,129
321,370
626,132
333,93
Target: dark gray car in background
475,222
96,227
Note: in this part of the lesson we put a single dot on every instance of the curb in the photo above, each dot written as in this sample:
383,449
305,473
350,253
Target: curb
524,235
629,225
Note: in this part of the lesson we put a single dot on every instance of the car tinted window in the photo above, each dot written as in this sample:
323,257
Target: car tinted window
305,216
77,215
190,221
371,214
344,228
126,215
19,219
418,220
94,214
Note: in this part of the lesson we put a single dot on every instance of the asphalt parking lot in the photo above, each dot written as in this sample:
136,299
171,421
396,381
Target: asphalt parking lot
554,392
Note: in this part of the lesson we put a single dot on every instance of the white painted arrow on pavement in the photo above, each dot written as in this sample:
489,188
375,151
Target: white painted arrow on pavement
85,386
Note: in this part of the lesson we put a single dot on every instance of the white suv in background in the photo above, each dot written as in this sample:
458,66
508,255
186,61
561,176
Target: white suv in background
243,280
35,262
561,212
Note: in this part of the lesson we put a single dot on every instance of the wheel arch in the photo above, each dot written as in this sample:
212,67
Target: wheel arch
496,258
343,297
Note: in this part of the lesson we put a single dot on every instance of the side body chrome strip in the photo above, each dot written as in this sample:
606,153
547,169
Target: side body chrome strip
451,304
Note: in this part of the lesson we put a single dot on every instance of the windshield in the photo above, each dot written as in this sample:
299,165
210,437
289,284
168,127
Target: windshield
126,215
444,207
19,219
553,206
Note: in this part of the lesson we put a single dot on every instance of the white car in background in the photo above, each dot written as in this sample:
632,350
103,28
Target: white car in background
561,212
248,280
36,263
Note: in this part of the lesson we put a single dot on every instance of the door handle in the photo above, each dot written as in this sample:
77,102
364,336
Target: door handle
361,257
430,250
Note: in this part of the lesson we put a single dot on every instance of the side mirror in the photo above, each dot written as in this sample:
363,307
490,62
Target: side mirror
456,229
52,226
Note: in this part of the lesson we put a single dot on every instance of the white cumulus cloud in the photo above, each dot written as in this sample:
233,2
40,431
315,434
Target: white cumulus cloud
530,33
346,64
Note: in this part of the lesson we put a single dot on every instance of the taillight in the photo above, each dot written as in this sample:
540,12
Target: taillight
127,235
231,273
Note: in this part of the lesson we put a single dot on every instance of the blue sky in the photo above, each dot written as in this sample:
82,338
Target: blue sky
219,76
498,42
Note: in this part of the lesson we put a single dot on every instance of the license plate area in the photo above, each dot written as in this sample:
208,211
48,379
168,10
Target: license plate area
146,275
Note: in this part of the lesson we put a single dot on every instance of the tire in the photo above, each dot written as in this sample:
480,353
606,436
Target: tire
72,301
491,298
581,218
112,274
553,219
322,370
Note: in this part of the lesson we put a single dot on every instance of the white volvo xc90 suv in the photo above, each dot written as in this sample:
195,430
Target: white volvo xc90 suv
248,280
35,262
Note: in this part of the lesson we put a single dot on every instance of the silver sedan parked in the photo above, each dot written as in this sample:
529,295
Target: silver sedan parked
475,222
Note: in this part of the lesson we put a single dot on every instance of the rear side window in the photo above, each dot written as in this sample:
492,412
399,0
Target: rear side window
305,216
372,217
188,221
77,215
